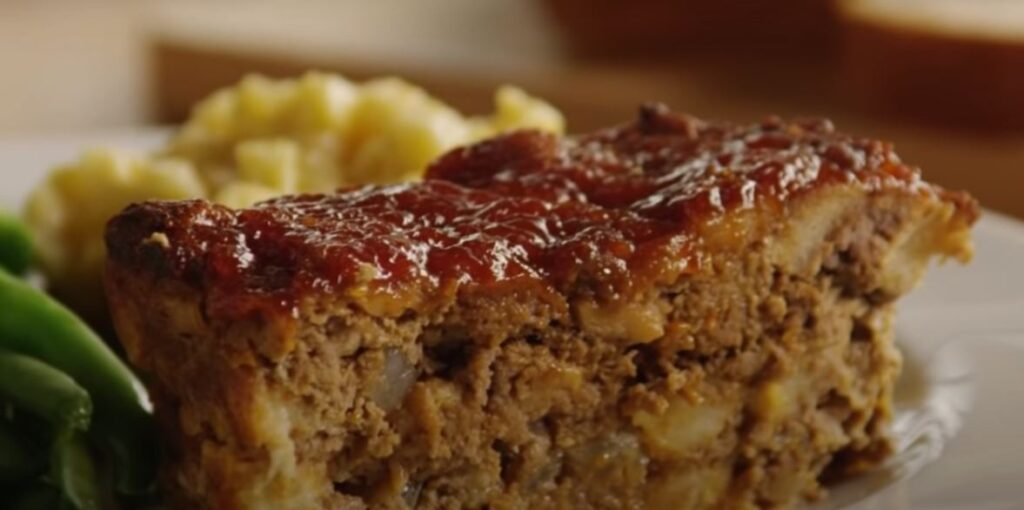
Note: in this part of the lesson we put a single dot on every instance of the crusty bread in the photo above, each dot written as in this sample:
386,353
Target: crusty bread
958,63
603,28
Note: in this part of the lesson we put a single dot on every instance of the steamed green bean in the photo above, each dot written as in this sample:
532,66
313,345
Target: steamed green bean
15,245
18,460
35,387
37,496
74,472
35,325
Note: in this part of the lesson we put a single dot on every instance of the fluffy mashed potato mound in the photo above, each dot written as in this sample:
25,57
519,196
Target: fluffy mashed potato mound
269,137
68,212
260,139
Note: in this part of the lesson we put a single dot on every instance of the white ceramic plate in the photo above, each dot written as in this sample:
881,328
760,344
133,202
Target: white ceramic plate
959,427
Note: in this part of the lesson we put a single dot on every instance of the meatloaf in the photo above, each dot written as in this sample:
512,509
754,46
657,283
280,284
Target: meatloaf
666,314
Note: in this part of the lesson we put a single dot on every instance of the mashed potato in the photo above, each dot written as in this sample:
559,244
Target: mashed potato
67,214
260,139
321,131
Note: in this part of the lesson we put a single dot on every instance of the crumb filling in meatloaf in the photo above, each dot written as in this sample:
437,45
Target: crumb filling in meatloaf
728,349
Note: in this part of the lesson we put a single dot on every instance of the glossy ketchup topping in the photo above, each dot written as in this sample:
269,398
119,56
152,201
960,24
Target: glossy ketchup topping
612,211
673,167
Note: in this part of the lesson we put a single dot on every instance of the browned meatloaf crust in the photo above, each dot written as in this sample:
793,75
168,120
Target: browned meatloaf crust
667,314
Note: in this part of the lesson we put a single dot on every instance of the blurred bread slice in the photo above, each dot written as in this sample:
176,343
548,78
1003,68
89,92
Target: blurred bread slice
957,63
695,28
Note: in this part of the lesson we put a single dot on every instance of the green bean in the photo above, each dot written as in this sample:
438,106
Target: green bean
15,245
33,324
36,497
74,472
44,391
18,461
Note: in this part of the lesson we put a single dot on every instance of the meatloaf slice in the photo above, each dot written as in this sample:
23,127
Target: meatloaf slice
667,314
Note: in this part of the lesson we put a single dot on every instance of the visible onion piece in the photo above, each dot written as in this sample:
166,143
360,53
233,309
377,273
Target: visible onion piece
394,381
411,493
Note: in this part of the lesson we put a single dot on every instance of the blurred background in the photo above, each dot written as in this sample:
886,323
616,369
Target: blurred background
943,79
